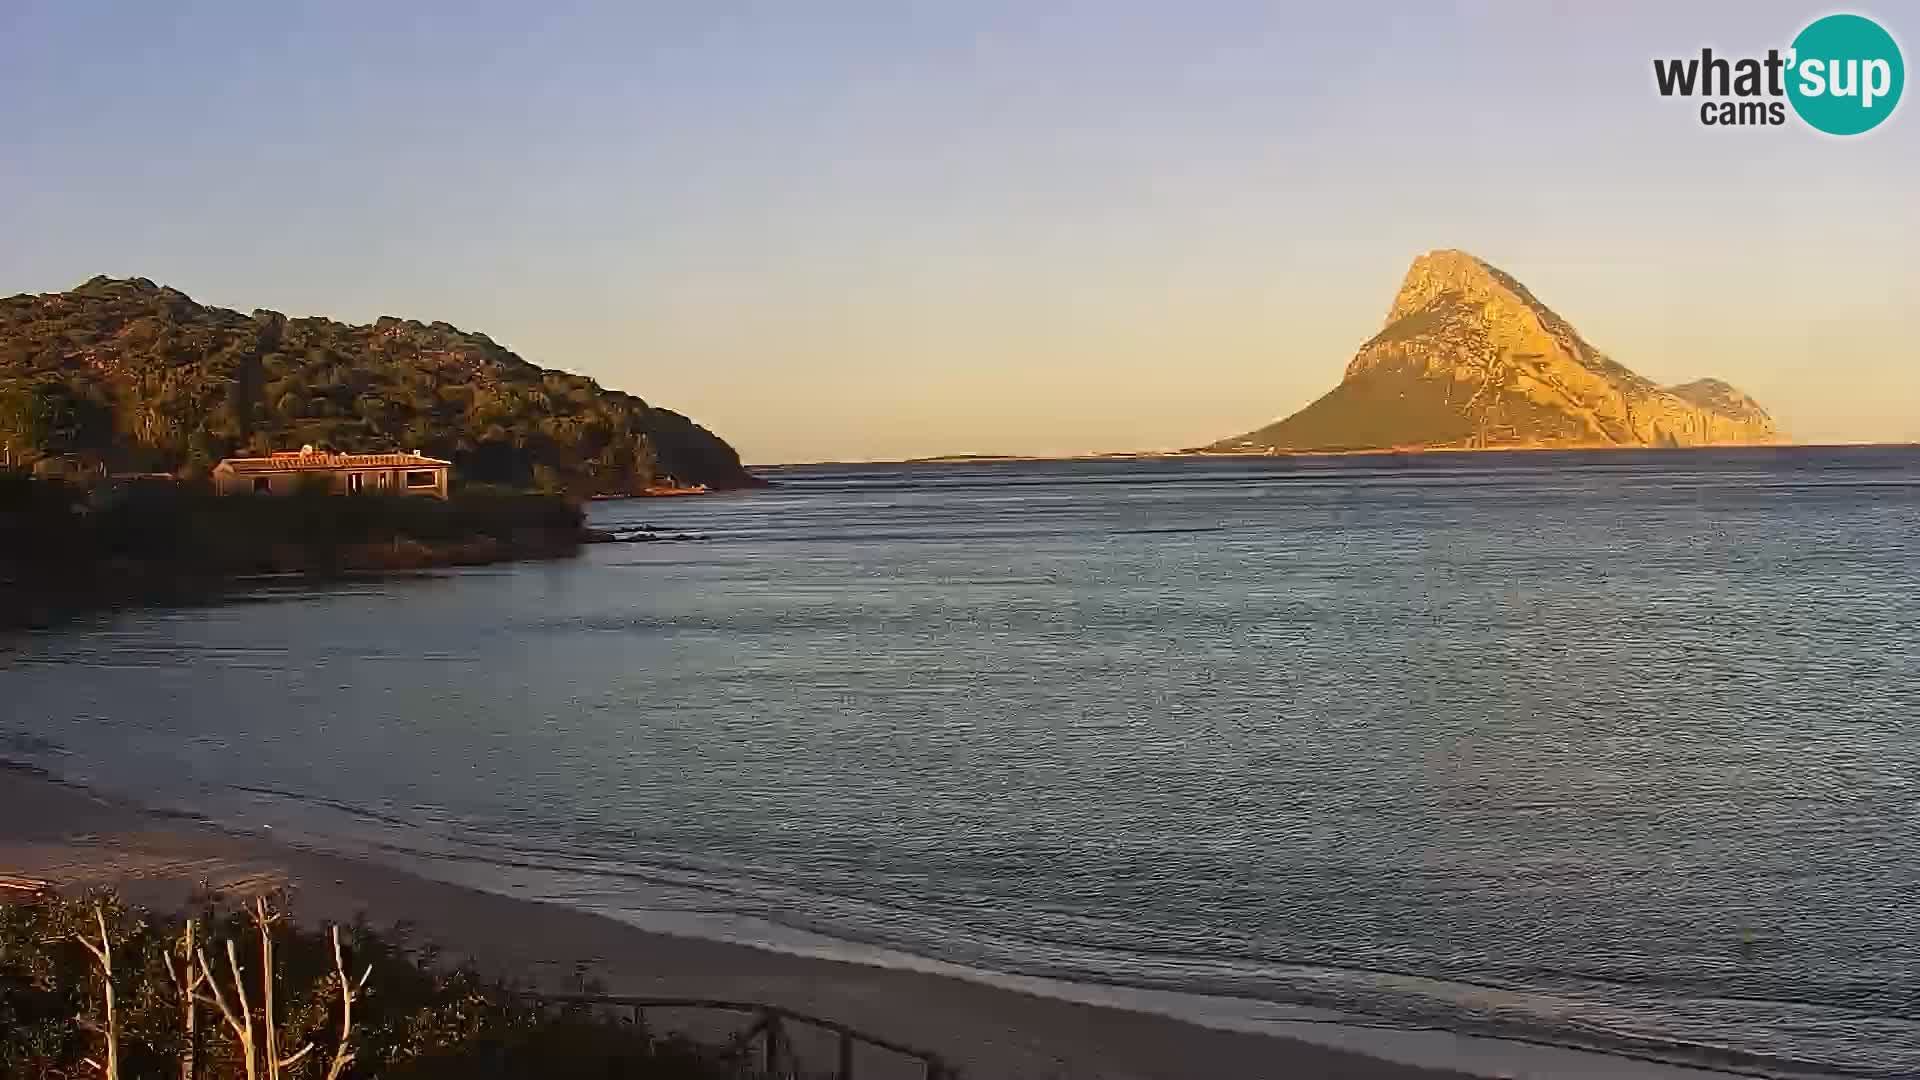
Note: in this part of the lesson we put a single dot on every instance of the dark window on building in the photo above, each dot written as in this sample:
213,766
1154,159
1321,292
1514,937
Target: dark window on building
262,485
422,478
355,481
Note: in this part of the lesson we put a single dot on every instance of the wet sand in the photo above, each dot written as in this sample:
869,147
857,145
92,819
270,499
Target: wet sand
72,838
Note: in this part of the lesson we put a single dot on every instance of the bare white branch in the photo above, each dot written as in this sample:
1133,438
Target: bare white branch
103,955
218,1000
246,1010
264,921
242,1022
342,1056
187,985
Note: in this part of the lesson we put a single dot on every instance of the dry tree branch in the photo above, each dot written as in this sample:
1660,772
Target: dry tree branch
103,955
342,1057
246,1007
218,1000
240,1020
264,922
188,999
241,1024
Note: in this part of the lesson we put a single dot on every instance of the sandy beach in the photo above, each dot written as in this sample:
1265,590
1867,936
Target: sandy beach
74,838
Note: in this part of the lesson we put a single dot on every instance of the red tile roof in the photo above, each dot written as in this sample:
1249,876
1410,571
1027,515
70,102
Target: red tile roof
324,461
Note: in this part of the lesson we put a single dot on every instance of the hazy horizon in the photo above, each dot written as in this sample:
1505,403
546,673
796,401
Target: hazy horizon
861,232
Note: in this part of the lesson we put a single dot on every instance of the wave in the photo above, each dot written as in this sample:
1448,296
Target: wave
1365,995
350,809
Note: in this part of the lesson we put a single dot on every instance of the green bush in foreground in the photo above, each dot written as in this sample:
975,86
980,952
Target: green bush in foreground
95,988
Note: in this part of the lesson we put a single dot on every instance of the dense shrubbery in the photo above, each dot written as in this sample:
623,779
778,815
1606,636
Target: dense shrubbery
63,550
149,380
410,1015
46,525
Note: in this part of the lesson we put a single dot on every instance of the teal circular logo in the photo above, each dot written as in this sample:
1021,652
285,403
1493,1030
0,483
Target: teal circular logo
1845,74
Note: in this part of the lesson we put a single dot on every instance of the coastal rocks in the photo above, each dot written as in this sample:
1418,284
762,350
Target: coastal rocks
644,534
1470,359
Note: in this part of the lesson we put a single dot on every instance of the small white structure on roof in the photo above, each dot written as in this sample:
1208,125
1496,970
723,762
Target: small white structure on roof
284,472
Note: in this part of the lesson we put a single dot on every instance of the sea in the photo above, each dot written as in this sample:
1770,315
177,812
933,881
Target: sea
1616,750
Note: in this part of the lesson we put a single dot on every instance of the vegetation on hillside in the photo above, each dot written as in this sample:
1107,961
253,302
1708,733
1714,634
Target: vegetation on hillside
95,988
148,380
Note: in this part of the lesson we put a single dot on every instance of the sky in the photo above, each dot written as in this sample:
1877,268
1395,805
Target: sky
843,231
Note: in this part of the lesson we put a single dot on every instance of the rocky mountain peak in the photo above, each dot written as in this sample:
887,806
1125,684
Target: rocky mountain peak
1719,395
1470,358
1452,274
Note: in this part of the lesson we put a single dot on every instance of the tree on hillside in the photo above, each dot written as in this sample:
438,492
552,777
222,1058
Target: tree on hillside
45,418
22,427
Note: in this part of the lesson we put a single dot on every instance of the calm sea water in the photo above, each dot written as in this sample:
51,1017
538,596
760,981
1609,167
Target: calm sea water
1618,750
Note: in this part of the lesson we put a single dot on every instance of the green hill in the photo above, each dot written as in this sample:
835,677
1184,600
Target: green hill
147,380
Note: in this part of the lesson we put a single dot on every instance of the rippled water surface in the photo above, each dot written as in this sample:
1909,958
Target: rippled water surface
1620,750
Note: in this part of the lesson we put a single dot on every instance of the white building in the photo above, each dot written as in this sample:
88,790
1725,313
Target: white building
285,472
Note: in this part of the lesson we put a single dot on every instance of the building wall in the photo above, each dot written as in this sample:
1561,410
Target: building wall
372,481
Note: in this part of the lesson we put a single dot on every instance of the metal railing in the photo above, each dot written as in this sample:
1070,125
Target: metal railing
765,1046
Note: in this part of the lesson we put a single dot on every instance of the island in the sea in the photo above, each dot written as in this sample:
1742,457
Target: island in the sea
1469,359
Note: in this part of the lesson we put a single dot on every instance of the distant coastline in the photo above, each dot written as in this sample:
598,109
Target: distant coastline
1406,451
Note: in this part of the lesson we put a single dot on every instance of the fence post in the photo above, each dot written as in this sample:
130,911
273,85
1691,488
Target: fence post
776,1055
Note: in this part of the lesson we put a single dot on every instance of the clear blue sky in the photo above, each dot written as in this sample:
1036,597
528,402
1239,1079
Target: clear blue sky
839,230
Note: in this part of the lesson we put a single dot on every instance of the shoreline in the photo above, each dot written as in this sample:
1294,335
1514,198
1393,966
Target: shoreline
39,605
67,550
990,1024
